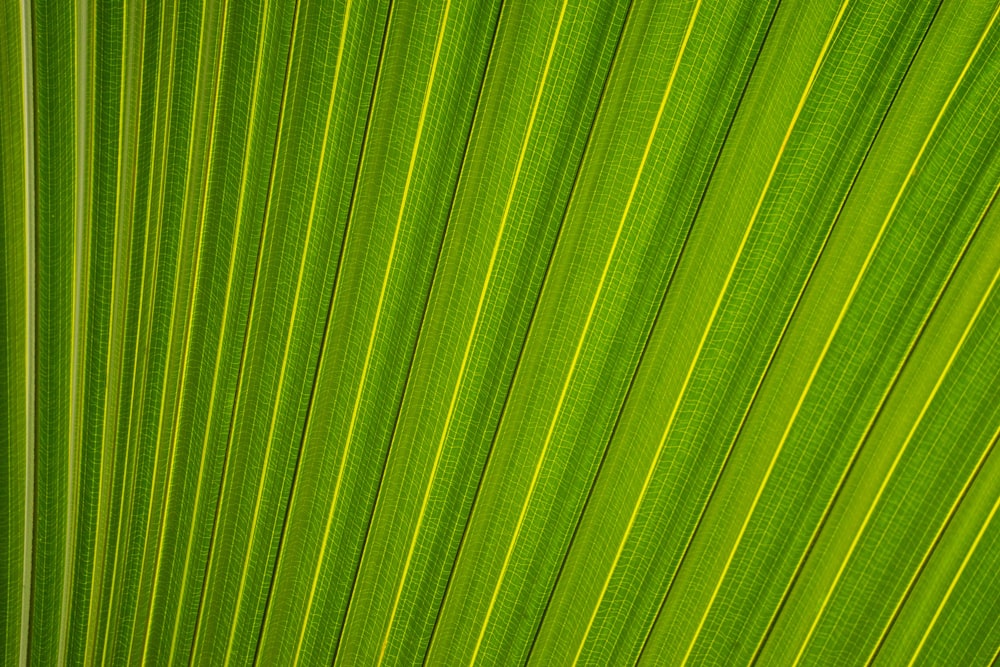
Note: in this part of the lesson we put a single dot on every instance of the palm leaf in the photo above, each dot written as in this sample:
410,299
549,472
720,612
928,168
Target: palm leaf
609,332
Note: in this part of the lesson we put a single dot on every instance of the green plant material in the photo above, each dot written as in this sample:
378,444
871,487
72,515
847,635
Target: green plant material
16,291
561,332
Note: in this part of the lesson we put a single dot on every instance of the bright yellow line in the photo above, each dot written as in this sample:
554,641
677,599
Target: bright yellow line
472,333
937,386
871,422
186,341
583,335
378,315
996,656
892,469
185,345
954,581
194,292
30,320
223,494
826,348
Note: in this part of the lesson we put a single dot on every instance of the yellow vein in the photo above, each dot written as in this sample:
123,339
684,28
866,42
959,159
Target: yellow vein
708,327
954,581
472,333
583,334
281,121
250,324
892,468
210,154
571,202
378,313
81,225
143,317
240,208
143,301
30,264
996,656
826,347
291,329
92,85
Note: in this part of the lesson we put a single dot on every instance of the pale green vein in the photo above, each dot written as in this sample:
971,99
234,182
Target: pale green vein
996,656
933,546
130,452
30,263
100,535
829,341
232,258
875,413
378,313
583,335
224,491
109,437
959,498
185,345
